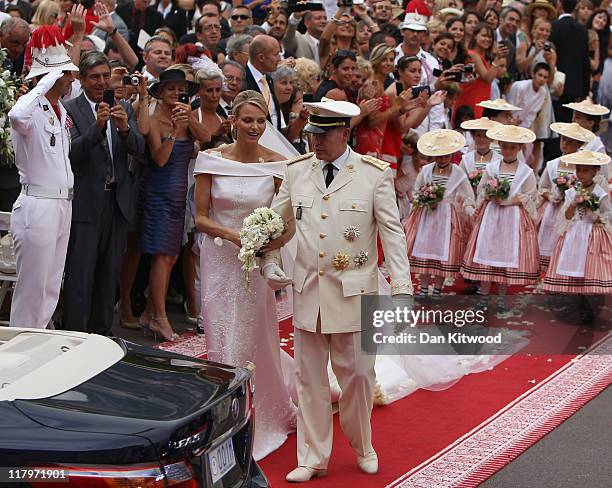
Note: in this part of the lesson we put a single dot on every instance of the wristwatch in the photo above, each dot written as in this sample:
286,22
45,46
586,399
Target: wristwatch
170,137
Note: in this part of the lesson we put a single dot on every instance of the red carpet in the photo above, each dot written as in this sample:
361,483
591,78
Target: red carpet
460,436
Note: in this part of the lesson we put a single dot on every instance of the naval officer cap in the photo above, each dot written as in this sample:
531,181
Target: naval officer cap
329,114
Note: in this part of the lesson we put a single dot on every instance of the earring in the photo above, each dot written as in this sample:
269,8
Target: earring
234,133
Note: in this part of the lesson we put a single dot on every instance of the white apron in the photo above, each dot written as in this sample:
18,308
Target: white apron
433,236
498,240
572,259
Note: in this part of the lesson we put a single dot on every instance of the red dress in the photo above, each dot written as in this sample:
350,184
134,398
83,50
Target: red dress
474,92
370,139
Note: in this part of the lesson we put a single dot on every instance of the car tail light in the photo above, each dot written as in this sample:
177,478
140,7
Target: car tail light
177,475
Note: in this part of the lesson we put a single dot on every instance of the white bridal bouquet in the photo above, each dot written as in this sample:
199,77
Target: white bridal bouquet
259,228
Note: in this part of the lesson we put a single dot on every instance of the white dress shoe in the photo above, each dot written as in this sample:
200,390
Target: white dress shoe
368,464
302,474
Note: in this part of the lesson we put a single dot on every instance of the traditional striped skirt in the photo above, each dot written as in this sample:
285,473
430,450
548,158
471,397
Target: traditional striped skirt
456,249
597,278
528,271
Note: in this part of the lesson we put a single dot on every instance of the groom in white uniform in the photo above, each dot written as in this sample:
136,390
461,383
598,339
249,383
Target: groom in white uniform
340,202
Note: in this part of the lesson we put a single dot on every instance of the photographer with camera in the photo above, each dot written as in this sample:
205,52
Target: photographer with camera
103,133
539,50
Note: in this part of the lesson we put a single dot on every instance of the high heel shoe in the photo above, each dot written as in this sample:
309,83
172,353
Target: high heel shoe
159,326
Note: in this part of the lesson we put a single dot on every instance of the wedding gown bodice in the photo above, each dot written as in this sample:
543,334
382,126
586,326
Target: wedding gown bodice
232,198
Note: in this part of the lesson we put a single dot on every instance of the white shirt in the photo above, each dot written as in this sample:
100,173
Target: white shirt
148,76
531,102
164,10
338,163
35,126
257,75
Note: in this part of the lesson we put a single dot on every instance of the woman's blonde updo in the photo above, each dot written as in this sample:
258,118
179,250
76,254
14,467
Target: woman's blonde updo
252,97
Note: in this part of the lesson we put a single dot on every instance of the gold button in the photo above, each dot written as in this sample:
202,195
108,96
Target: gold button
321,254
322,235
325,197
323,216
321,273
353,206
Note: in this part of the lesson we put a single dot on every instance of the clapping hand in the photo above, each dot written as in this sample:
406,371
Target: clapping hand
369,106
437,98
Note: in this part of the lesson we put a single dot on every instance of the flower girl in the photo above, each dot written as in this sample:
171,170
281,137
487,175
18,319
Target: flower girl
475,161
556,178
581,262
435,232
503,246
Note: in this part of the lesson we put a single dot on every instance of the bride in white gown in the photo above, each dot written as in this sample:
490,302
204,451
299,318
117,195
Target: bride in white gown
241,325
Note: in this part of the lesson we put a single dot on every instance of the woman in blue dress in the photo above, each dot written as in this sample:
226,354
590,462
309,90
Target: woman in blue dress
174,129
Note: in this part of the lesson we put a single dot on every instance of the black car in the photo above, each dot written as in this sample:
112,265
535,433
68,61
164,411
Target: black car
96,411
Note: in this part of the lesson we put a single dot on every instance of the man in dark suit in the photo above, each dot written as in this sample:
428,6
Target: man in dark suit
571,42
24,6
102,137
264,56
138,16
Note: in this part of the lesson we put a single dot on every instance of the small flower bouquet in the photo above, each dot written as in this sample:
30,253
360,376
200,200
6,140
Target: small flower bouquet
259,228
586,200
497,188
428,196
8,87
565,181
475,176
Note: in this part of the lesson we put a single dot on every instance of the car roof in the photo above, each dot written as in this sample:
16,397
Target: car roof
40,363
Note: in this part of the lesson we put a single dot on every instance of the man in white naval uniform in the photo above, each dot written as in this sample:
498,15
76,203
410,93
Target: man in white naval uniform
340,201
40,222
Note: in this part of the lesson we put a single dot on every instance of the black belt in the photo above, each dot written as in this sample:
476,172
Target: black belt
110,186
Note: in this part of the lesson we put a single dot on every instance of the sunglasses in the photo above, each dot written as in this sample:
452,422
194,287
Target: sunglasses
240,17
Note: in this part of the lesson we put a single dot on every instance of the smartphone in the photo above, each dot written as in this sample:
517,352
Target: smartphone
109,97
437,72
417,90
183,98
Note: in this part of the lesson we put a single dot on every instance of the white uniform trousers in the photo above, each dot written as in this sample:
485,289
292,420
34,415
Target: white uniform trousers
40,228
354,370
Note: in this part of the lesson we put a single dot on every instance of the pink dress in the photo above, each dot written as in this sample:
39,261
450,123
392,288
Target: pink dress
503,246
242,325
582,259
436,239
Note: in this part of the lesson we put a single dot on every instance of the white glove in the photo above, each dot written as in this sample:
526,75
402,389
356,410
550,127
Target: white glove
275,276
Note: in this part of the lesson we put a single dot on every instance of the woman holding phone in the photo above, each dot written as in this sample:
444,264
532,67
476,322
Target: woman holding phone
161,201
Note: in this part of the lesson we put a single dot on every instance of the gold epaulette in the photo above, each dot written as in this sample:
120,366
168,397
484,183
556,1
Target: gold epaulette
302,157
381,165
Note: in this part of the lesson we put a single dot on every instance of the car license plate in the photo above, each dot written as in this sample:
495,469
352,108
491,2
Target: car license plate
221,460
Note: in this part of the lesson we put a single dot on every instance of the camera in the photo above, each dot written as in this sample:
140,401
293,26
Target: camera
183,98
302,6
131,80
417,90
547,46
437,72
345,3
108,97
468,68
